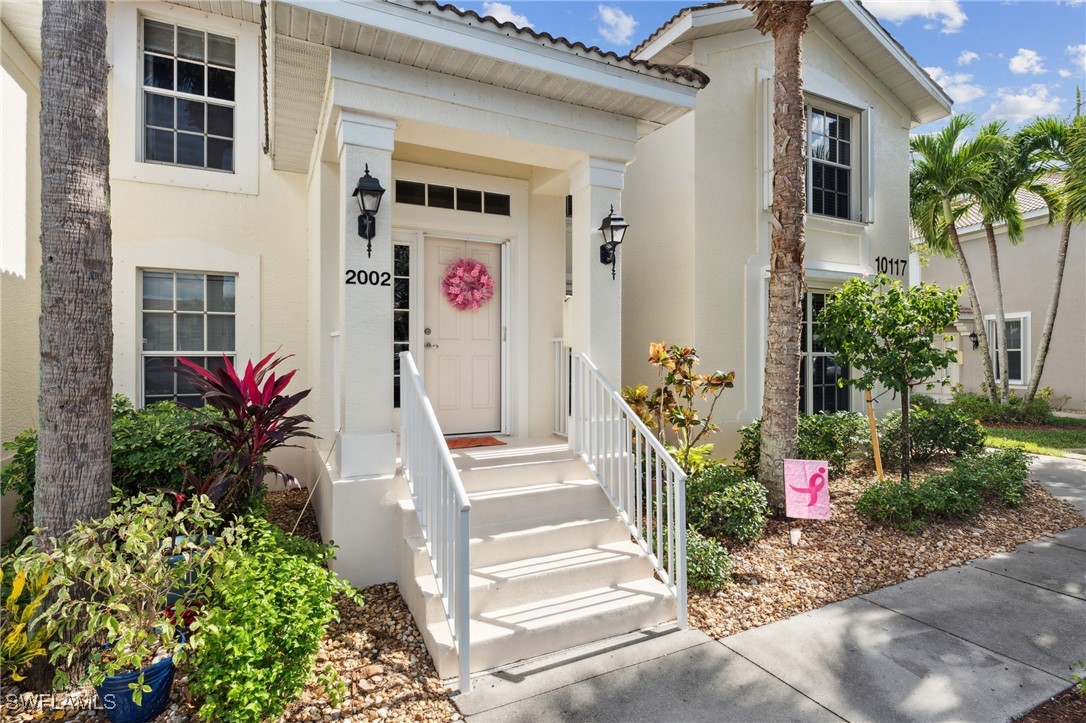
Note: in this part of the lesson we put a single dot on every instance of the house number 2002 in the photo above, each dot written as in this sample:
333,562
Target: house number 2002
369,278
886,265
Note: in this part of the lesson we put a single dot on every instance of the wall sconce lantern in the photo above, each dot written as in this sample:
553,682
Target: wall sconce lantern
613,228
368,194
975,339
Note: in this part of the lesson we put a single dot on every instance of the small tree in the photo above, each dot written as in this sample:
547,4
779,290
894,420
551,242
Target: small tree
672,404
885,333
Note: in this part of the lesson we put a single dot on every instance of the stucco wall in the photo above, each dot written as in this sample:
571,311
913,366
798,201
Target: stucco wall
547,287
729,256
20,272
1028,271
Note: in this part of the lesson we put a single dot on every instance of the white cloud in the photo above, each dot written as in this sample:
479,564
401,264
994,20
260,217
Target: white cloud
957,85
615,25
968,56
1078,55
1064,73
948,13
1027,61
1023,105
505,14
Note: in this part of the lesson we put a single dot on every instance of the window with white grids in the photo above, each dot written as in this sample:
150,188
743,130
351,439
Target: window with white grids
188,96
830,161
184,314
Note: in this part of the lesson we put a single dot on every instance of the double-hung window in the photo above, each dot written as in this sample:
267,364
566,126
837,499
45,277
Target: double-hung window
185,314
188,97
830,163
819,372
1017,339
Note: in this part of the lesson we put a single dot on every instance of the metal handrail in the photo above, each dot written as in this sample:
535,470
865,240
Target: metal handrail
643,481
442,506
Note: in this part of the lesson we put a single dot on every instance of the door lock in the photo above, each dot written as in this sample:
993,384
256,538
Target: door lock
426,331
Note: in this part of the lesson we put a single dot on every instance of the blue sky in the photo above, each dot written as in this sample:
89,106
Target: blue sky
1000,59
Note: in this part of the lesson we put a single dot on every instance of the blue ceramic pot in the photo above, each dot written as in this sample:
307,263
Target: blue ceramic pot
116,696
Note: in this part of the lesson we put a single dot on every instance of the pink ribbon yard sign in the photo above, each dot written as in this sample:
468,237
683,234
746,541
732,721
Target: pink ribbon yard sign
807,489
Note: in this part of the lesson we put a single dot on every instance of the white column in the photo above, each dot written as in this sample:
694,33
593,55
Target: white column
596,185
367,442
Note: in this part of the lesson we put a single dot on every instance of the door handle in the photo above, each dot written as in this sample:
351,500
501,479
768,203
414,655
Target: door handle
428,345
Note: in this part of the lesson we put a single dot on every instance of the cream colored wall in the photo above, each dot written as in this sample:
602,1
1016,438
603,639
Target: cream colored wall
729,256
546,289
658,203
1028,271
20,277
200,226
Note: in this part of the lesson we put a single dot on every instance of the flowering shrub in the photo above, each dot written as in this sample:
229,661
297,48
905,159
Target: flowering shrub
467,284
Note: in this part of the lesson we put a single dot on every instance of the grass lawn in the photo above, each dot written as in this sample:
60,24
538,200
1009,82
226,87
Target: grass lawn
1055,439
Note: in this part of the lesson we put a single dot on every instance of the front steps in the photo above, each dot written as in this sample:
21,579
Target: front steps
553,566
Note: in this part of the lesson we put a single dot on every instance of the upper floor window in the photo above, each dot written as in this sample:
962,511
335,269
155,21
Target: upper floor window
830,163
188,97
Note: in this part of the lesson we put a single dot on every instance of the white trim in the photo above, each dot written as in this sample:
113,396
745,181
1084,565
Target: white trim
126,114
176,254
1026,319
18,56
538,55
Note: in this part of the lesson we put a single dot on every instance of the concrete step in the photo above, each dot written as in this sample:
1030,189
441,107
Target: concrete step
505,636
569,530
524,474
540,499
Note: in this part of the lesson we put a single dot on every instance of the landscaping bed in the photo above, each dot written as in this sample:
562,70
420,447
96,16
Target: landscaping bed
850,555
1067,707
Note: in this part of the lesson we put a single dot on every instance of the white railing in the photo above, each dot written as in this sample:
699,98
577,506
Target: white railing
645,484
441,504
562,356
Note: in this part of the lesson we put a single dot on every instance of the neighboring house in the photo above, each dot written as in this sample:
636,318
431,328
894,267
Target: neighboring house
1028,272
235,157
700,190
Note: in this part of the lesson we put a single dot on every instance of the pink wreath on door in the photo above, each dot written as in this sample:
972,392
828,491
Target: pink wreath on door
467,285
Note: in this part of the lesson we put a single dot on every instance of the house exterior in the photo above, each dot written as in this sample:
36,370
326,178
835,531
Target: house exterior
241,133
1028,272
700,189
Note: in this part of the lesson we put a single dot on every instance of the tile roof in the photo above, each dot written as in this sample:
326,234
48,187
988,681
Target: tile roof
689,76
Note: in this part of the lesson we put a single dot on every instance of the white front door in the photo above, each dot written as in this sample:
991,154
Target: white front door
462,348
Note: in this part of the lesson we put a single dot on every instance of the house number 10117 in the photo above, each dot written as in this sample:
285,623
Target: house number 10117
887,265
369,278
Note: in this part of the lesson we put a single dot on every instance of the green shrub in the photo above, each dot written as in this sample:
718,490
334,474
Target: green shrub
923,401
255,644
708,564
940,431
150,446
836,438
1015,411
722,500
956,495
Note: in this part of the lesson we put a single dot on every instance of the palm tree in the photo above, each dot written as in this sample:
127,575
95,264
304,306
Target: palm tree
1011,171
786,21
948,174
73,467
1058,146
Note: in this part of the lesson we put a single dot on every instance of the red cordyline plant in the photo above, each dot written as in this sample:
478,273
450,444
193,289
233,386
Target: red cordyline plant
255,420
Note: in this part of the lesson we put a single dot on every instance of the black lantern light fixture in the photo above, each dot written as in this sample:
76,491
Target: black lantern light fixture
975,339
368,194
613,228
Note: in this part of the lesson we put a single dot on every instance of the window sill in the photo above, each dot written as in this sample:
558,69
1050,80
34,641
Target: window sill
818,221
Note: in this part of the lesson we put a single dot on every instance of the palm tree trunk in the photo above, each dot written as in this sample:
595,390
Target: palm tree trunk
1050,317
1001,318
780,396
76,327
978,314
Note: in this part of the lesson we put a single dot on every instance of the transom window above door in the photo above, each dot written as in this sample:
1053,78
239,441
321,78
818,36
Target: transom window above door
184,314
188,96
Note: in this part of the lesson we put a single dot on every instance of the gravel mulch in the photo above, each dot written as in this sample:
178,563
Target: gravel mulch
1067,707
849,555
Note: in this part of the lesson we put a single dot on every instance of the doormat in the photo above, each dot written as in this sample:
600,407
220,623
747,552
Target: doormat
468,442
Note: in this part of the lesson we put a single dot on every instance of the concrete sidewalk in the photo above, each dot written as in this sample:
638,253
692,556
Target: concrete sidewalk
983,642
